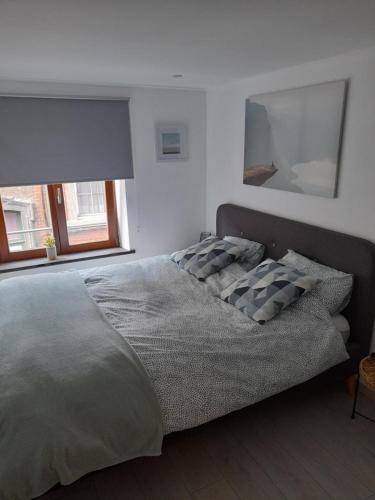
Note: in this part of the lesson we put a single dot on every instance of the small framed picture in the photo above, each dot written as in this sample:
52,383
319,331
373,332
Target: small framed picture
171,141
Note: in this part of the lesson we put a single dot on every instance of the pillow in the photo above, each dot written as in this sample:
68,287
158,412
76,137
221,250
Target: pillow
268,289
342,325
209,257
335,287
252,252
217,282
180,254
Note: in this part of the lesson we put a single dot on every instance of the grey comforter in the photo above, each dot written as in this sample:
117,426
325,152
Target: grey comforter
74,396
204,357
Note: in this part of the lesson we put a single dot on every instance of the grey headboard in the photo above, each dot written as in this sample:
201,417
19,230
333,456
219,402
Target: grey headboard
338,250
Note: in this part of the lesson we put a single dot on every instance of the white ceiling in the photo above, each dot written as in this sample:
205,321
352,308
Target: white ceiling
146,41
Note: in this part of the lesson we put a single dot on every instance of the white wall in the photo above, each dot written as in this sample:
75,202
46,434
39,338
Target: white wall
165,201
354,209
169,197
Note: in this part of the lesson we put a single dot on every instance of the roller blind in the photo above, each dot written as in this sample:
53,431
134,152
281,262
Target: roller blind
53,140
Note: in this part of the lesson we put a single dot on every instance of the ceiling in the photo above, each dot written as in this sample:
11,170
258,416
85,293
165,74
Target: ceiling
145,42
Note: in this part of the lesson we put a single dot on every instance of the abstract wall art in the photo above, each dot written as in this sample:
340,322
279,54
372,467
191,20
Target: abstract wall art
293,139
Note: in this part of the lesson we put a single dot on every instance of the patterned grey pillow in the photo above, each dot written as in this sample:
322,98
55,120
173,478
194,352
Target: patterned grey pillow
252,251
180,254
335,287
217,282
209,257
268,289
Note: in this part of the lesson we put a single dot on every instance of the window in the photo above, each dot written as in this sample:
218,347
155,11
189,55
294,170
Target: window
16,236
81,216
86,212
90,198
27,219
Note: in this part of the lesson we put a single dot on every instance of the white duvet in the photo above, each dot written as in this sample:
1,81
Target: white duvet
204,357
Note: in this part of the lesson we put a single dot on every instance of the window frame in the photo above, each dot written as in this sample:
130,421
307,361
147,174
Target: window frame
60,230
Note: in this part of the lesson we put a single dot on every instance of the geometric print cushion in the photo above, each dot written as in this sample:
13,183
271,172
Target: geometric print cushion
252,252
187,253
265,291
208,257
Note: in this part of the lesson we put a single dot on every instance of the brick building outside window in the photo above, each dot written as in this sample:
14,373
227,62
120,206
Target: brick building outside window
28,220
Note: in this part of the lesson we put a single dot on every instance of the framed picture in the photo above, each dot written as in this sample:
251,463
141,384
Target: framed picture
171,141
293,139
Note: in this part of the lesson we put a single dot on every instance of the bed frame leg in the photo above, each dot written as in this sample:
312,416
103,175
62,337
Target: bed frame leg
350,383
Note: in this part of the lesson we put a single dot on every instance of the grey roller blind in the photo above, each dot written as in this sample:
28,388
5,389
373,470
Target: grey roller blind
50,140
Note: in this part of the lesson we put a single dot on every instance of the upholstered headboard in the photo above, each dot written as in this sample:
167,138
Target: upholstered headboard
338,250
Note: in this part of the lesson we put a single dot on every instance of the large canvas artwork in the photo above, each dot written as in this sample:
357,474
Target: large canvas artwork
292,139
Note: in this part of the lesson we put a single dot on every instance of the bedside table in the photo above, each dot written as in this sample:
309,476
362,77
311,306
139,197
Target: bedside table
204,235
366,375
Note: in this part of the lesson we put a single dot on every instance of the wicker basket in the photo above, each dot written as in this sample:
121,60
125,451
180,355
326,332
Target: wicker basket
367,371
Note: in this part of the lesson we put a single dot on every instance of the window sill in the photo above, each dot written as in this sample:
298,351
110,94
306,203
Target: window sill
20,265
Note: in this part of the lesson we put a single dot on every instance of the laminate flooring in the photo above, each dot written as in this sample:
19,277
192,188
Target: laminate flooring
298,445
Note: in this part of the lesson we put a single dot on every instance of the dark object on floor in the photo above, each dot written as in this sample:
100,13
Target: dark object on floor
367,376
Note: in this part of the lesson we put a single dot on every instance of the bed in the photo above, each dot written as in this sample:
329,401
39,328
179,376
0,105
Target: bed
143,349
341,251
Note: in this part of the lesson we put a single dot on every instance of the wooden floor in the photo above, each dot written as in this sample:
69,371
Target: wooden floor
299,445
